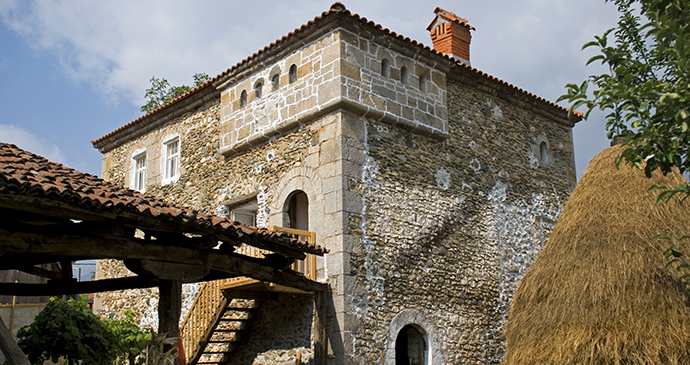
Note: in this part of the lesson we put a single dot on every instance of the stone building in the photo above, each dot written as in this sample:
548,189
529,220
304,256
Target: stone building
432,184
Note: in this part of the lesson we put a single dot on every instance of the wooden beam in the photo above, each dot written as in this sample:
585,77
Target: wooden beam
28,259
33,270
23,243
50,207
13,353
66,268
53,288
320,335
167,270
117,229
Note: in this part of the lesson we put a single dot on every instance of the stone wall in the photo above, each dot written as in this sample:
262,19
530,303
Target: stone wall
306,158
336,70
282,328
432,201
447,229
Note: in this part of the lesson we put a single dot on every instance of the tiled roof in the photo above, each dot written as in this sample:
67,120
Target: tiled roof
24,174
336,9
450,16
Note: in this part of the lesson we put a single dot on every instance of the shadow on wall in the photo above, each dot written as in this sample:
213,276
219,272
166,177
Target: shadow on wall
282,328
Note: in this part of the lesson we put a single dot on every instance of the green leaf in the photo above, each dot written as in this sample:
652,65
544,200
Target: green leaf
596,58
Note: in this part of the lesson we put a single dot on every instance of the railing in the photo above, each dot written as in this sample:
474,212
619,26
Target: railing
199,316
308,265
209,296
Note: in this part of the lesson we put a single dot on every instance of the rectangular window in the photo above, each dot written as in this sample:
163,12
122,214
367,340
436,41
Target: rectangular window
172,159
246,218
140,173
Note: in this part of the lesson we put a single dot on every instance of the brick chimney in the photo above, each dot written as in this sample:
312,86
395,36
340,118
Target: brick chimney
451,35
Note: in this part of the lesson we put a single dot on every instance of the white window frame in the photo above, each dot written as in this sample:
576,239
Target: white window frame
171,161
139,172
249,214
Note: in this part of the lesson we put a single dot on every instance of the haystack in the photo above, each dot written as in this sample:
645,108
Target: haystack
597,293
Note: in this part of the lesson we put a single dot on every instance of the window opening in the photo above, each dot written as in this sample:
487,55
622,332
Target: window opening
543,151
245,214
243,99
172,158
404,75
385,68
422,83
293,73
257,89
276,82
298,211
411,347
140,173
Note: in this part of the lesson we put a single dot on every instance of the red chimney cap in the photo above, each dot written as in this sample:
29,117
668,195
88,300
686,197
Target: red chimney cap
451,17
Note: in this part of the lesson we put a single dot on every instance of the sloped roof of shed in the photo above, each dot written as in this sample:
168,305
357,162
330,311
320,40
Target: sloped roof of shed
26,175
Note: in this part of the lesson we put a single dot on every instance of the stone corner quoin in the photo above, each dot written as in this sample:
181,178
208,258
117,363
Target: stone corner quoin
433,188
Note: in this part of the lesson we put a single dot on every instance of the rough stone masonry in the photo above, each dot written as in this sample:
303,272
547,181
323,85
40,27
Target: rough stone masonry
432,184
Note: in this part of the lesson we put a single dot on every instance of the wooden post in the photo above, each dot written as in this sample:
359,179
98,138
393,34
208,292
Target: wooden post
169,307
320,335
13,353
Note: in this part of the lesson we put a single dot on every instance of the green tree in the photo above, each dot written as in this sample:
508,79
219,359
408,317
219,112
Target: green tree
131,340
70,330
646,91
161,92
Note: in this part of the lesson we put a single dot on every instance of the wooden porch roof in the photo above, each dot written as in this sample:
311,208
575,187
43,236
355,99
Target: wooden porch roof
52,213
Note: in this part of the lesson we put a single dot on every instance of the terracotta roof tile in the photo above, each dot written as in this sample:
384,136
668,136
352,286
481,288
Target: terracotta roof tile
450,16
23,173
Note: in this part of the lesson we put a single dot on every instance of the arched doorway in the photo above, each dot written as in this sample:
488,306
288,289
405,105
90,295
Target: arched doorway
411,347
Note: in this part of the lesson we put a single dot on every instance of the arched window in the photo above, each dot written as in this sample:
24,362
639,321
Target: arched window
404,75
257,89
298,211
411,347
543,151
293,73
243,99
385,68
422,83
276,82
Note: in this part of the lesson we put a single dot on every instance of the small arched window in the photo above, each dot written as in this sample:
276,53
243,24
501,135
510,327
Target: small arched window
275,81
243,99
298,211
411,347
257,89
385,68
404,75
293,73
422,83
543,151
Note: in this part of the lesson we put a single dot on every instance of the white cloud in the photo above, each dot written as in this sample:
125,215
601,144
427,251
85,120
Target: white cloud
117,46
30,142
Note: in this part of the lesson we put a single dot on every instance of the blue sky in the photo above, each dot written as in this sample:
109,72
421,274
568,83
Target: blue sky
72,71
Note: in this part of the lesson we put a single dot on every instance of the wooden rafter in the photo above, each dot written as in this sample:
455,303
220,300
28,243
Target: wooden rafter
72,246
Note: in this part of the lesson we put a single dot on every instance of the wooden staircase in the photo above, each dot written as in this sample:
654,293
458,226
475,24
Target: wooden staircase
233,317
223,310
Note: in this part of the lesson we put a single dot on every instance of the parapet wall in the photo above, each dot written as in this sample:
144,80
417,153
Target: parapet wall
339,70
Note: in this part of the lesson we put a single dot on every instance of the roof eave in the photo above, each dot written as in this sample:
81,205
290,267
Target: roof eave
181,105
473,77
